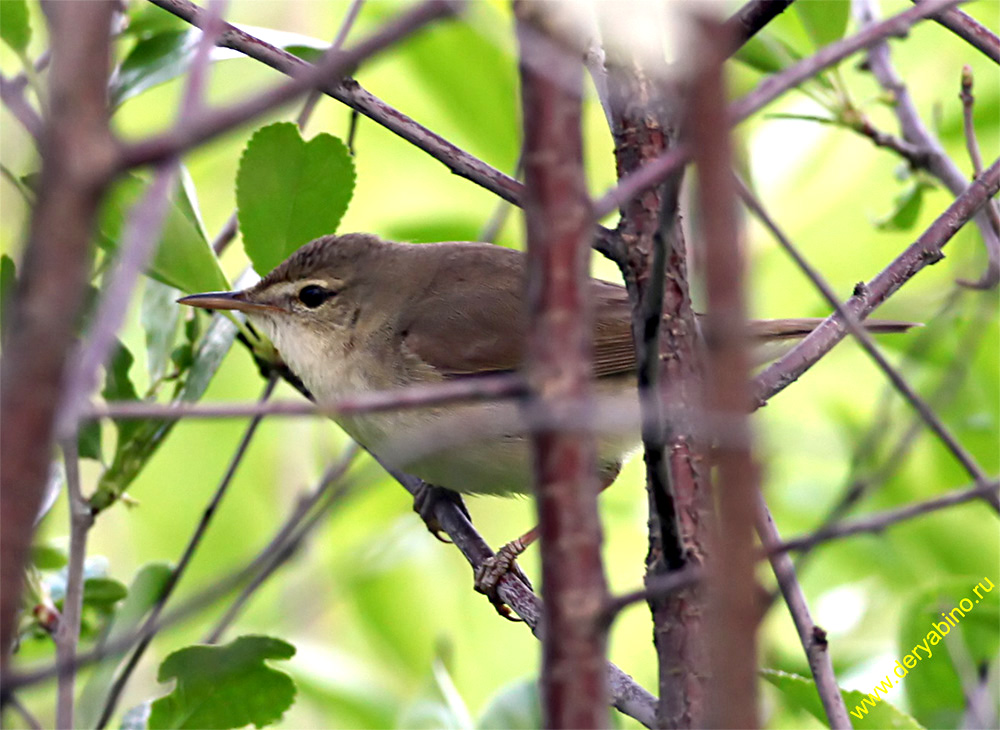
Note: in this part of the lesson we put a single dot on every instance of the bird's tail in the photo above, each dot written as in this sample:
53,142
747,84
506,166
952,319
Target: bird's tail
790,329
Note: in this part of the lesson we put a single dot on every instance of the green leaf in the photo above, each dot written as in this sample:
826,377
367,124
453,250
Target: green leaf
49,556
146,19
118,387
801,692
766,54
933,686
8,282
15,29
160,317
516,706
165,48
184,258
88,441
129,460
103,593
152,61
824,20
225,686
143,593
289,191
906,209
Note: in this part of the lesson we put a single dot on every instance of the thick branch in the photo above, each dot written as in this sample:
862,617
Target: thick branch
558,368
733,613
77,156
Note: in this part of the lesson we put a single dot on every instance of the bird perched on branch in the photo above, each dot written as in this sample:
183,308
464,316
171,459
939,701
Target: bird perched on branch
354,313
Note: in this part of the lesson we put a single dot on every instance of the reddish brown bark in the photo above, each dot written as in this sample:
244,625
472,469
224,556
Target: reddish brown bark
732,591
77,155
558,217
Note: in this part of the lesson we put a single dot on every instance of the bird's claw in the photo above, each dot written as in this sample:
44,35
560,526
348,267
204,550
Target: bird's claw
425,501
493,569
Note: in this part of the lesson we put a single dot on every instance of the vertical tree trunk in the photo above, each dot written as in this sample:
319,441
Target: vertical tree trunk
558,368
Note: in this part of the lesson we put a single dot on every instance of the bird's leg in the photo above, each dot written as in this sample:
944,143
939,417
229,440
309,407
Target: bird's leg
425,501
489,573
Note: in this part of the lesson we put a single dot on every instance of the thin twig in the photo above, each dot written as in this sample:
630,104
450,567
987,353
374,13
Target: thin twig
972,143
209,124
67,633
939,164
114,693
13,98
866,341
338,41
231,226
880,520
278,557
416,396
970,30
813,638
767,91
30,720
922,252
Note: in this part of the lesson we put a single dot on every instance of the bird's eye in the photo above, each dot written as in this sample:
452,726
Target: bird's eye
312,296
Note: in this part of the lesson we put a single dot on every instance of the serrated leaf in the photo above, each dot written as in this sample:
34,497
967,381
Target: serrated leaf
225,686
143,593
801,692
160,317
516,706
118,387
934,688
15,28
103,593
49,556
184,258
824,20
289,191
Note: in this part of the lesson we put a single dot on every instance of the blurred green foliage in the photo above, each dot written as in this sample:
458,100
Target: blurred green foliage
385,626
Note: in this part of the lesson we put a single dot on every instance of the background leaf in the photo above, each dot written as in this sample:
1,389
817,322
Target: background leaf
289,191
160,317
824,20
516,706
15,29
225,686
801,692
183,258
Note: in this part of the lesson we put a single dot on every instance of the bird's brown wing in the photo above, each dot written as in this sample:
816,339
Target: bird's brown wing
479,311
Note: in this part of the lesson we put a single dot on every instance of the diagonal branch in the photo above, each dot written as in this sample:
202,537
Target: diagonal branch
657,170
914,131
866,341
922,252
305,78
970,30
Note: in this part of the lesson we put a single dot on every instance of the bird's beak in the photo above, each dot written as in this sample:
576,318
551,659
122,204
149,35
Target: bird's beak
227,300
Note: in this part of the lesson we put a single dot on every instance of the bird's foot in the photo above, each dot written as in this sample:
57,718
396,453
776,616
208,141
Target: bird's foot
425,501
492,570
